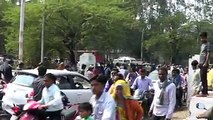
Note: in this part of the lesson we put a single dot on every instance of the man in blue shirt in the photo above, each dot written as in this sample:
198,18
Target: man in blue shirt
142,82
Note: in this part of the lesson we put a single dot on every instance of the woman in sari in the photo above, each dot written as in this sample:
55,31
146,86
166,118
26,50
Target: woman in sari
119,79
127,108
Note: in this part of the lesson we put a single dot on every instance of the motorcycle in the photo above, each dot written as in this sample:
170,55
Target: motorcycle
5,115
145,98
31,109
207,114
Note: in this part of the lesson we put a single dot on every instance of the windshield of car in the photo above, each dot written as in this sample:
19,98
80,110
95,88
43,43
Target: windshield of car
24,79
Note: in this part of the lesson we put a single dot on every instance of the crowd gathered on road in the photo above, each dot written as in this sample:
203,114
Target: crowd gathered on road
121,91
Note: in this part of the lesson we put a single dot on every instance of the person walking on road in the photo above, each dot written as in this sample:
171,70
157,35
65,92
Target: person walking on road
104,107
111,80
164,101
204,62
177,80
127,108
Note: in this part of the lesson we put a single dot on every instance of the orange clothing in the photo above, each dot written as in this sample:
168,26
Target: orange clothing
134,110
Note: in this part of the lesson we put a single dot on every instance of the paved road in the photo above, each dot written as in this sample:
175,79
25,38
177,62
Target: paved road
181,114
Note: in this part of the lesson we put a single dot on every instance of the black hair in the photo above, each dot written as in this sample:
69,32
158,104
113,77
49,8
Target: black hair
120,76
143,70
194,63
133,69
86,106
42,70
204,34
100,78
115,69
50,76
163,69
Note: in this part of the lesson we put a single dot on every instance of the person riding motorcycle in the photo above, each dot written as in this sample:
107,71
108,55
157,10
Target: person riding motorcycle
51,98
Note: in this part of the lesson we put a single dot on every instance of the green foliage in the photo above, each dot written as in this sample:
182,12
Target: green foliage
107,25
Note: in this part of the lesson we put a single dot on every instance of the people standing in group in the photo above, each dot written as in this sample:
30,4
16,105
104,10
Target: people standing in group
104,107
111,80
127,108
204,63
51,100
38,84
177,80
164,101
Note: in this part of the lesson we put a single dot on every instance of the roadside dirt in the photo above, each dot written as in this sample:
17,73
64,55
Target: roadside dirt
180,114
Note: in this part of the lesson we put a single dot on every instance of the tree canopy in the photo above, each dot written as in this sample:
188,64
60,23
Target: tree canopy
171,31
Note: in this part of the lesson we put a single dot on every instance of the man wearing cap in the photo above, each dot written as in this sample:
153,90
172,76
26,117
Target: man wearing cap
203,64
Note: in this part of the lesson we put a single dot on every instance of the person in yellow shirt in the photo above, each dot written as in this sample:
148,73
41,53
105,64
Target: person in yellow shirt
210,78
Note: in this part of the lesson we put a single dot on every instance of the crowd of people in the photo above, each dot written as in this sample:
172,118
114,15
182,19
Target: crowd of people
113,88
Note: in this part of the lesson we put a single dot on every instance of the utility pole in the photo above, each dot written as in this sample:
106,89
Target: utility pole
42,33
42,39
21,30
142,42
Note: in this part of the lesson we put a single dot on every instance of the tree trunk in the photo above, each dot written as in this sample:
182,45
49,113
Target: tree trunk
2,45
72,59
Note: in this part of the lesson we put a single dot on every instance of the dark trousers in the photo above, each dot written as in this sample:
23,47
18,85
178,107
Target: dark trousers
158,117
179,94
203,74
43,115
56,115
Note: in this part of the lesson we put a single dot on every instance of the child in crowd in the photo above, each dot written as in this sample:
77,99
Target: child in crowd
85,111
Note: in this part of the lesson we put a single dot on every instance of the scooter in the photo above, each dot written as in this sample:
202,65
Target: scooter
30,109
5,115
207,114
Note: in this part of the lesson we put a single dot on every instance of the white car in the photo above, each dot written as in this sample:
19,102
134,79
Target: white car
74,85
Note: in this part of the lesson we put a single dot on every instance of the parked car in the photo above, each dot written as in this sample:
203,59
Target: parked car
74,85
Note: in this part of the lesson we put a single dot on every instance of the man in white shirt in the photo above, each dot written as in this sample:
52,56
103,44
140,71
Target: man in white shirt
196,78
104,107
51,98
164,100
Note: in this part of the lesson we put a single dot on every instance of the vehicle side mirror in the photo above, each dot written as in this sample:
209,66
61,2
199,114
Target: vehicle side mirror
200,106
